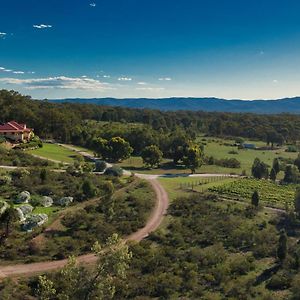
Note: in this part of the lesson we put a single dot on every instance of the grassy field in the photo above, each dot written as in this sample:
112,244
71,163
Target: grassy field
55,152
218,148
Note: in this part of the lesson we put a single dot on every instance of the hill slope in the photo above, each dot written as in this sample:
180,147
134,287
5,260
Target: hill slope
288,105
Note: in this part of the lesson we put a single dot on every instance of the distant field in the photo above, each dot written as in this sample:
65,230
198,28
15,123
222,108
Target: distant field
55,152
218,149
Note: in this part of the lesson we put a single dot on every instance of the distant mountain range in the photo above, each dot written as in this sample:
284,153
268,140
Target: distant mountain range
287,105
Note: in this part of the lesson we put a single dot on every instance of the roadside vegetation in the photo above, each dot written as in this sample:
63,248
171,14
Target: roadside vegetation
209,250
99,206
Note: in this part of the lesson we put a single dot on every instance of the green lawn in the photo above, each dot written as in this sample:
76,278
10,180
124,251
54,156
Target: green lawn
55,152
46,210
82,149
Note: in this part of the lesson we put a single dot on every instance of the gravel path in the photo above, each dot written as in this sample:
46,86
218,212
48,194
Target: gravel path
160,209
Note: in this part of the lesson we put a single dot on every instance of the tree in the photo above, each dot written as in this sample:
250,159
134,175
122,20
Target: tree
74,282
100,166
297,162
273,174
88,189
276,165
43,175
291,174
114,171
119,149
151,156
274,137
193,158
282,246
259,169
8,219
46,290
255,199
297,201
100,146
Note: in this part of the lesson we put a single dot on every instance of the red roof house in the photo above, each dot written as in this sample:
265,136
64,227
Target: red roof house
16,131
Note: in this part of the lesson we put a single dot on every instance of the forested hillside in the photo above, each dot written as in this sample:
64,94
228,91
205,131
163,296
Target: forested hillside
288,105
63,121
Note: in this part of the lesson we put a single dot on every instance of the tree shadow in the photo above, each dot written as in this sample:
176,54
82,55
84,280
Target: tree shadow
167,166
266,274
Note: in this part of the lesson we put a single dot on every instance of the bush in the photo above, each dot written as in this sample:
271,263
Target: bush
100,166
279,281
114,171
228,163
291,148
233,152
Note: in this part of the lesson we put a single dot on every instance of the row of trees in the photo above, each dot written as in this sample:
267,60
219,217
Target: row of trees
117,149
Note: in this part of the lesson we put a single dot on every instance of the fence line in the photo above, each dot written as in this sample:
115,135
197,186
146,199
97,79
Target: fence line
191,185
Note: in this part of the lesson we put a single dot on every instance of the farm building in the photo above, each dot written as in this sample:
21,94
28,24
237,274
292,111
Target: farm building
249,146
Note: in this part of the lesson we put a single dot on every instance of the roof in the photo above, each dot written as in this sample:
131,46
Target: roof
14,126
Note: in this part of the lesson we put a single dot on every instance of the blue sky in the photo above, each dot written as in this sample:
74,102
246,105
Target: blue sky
151,48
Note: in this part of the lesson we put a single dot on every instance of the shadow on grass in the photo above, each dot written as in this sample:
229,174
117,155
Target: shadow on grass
167,166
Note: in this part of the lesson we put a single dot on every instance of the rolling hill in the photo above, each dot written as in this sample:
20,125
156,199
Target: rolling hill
287,105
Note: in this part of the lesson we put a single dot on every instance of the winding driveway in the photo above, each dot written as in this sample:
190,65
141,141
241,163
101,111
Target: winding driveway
155,219
160,209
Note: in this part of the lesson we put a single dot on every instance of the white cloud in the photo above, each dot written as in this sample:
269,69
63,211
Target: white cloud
42,26
3,34
125,79
275,81
165,79
142,83
93,4
60,82
3,69
150,89
106,76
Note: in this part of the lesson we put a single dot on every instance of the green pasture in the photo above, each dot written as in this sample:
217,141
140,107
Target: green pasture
218,148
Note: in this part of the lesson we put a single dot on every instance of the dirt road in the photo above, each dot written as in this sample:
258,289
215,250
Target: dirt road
160,209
